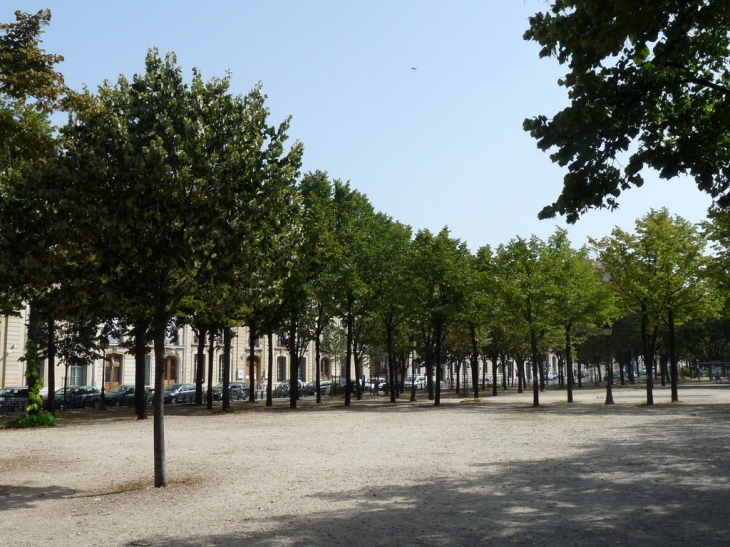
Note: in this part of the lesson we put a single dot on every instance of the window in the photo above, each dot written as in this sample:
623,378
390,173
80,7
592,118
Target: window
256,342
280,368
196,338
221,361
147,361
303,369
78,375
281,340
343,369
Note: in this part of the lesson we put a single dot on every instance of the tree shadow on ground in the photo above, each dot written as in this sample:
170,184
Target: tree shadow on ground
13,496
651,488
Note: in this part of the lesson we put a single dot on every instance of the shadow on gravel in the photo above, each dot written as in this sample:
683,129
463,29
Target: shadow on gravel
653,489
13,496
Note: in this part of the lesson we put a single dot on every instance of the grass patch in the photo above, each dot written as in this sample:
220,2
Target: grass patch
472,400
40,419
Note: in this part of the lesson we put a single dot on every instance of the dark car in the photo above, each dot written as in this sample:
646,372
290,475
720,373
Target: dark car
238,391
179,393
13,399
77,397
282,390
124,396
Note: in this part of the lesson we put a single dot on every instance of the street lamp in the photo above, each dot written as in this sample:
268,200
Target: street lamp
609,368
413,369
104,345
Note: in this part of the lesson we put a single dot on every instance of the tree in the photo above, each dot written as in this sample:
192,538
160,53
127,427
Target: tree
643,78
441,269
354,217
528,291
165,185
582,298
30,89
659,272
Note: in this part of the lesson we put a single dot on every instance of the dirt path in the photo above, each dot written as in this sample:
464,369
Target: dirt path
492,473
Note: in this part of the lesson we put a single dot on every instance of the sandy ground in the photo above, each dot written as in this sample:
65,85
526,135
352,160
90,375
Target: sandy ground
497,473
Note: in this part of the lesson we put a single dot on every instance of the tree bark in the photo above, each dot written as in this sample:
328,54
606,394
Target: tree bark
200,369
226,395
211,357
51,350
569,362
140,361
158,328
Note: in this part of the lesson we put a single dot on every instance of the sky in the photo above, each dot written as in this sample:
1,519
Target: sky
441,145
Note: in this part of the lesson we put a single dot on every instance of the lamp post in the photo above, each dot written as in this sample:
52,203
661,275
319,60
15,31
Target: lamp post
413,369
609,368
104,345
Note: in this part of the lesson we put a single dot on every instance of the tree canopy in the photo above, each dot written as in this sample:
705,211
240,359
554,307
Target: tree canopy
649,86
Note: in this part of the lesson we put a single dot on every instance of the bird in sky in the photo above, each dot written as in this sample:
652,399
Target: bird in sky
413,68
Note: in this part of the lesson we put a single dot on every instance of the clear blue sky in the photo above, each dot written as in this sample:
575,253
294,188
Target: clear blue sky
439,146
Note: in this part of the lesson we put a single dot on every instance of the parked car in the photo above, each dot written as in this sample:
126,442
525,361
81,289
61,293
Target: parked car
420,382
310,389
77,397
238,391
179,393
13,399
282,389
123,395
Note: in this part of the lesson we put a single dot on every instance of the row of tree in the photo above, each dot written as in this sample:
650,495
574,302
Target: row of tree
163,202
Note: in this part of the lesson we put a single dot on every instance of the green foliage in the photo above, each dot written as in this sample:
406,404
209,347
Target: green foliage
643,78
32,378
39,419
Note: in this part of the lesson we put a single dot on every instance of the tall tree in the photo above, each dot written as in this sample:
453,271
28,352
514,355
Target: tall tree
582,298
648,84
528,290
165,185
440,278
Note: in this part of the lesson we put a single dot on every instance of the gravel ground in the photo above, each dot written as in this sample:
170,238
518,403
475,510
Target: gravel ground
497,472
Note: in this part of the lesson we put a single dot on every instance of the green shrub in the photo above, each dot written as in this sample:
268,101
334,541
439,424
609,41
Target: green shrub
39,419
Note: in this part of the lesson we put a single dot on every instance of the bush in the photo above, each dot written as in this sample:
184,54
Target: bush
39,419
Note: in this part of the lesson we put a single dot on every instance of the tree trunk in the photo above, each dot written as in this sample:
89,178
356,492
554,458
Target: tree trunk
293,361
51,366
252,334
475,361
391,362
535,367
673,357
226,395
348,352
494,360
439,372
140,361
269,379
158,329
211,357
318,364
569,362
31,361
200,369
645,349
